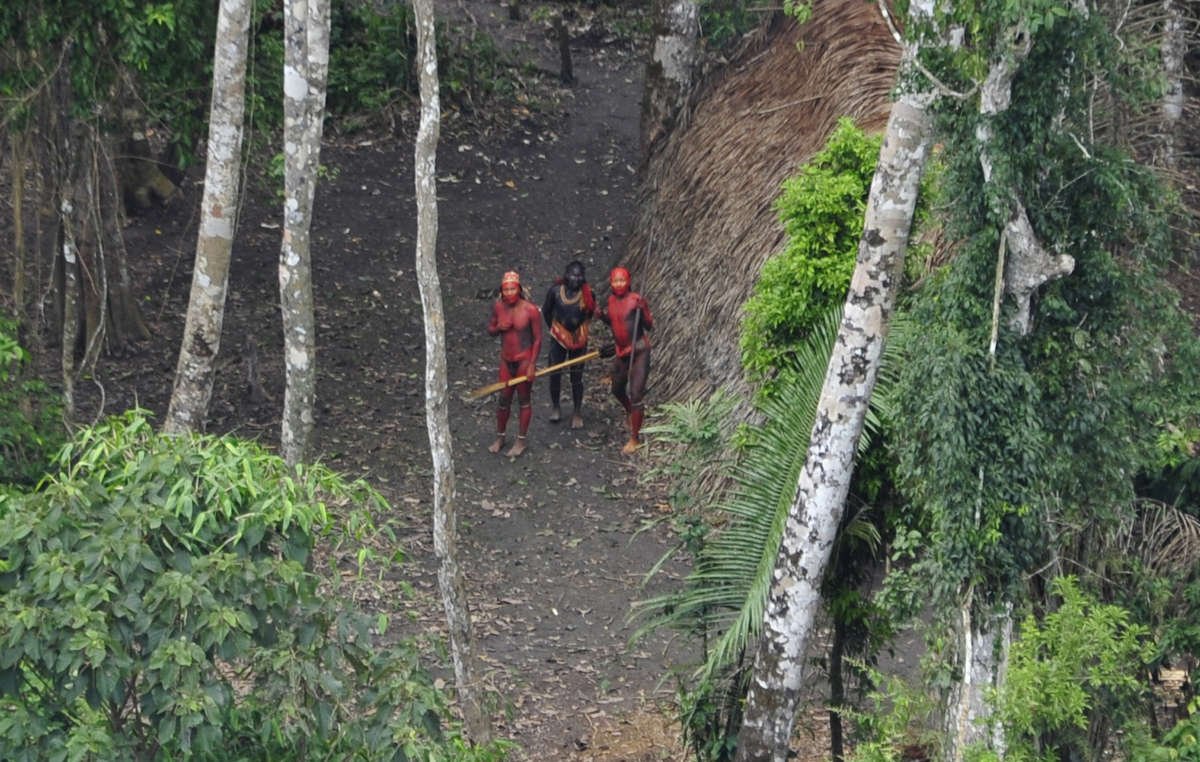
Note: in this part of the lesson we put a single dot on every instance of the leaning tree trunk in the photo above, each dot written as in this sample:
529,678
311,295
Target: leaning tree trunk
816,512
437,418
672,66
306,65
218,220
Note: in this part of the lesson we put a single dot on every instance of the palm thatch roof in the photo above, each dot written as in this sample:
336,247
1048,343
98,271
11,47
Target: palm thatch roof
706,222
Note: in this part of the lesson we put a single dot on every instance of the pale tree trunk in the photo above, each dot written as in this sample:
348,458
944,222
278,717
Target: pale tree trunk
195,371
983,647
19,155
1174,50
305,69
672,66
1028,265
816,512
437,408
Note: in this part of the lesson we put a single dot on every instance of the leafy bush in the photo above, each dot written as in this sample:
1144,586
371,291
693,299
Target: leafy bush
822,210
30,422
1073,679
158,602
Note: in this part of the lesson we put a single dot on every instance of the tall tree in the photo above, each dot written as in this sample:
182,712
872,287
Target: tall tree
824,481
305,72
437,408
218,221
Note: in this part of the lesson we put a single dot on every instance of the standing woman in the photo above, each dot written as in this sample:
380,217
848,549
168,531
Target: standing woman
515,320
628,315
568,310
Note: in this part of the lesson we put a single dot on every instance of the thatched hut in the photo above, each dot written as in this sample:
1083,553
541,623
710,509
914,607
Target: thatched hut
706,222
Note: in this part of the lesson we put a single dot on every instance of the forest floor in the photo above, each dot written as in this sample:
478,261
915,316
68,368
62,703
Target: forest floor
554,544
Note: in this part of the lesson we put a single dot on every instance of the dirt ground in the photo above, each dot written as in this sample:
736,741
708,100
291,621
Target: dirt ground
554,544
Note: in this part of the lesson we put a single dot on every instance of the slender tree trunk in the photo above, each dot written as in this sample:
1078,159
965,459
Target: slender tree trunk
195,372
74,200
19,154
445,530
816,512
672,67
1174,50
306,66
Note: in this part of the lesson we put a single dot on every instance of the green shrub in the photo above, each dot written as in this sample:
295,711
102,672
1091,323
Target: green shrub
157,601
1074,678
31,427
821,210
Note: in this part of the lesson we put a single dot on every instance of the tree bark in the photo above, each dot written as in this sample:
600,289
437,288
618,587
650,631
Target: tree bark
1174,50
672,66
825,480
218,220
437,418
305,70
1029,265
19,154
983,647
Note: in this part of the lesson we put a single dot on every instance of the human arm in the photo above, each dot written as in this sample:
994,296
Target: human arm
535,347
647,319
500,320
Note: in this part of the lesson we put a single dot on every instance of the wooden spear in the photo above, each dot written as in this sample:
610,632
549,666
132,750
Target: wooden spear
484,391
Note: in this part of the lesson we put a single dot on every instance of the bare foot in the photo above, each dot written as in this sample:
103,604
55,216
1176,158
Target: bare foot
494,447
555,415
577,421
630,447
517,448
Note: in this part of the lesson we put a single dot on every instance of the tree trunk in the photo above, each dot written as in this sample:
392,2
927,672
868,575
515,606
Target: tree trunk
983,648
75,197
306,65
445,530
218,220
1174,50
816,512
672,66
1028,265
19,155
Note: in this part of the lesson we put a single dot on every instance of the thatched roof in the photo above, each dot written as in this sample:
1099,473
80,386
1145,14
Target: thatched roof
707,221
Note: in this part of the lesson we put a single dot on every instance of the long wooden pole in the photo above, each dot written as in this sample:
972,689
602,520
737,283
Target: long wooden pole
484,391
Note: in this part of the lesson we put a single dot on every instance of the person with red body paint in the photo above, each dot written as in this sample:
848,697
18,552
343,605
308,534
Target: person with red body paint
518,323
628,315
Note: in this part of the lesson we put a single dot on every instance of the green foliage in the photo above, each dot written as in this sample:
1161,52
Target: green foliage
897,722
372,57
1073,675
723,22
1179,744
821,209
158,603
31,428
165,47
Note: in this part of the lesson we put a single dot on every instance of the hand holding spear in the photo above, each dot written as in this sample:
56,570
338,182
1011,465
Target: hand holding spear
484,391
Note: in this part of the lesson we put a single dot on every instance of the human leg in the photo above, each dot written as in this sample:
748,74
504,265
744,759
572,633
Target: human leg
524,416
556,355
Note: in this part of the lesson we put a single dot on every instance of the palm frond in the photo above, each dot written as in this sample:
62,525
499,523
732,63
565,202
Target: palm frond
726,591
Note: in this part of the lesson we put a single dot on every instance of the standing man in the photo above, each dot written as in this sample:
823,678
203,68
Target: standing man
628,314
568,310
516,321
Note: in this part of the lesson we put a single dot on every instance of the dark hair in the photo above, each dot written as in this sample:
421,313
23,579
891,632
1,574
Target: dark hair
575,264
